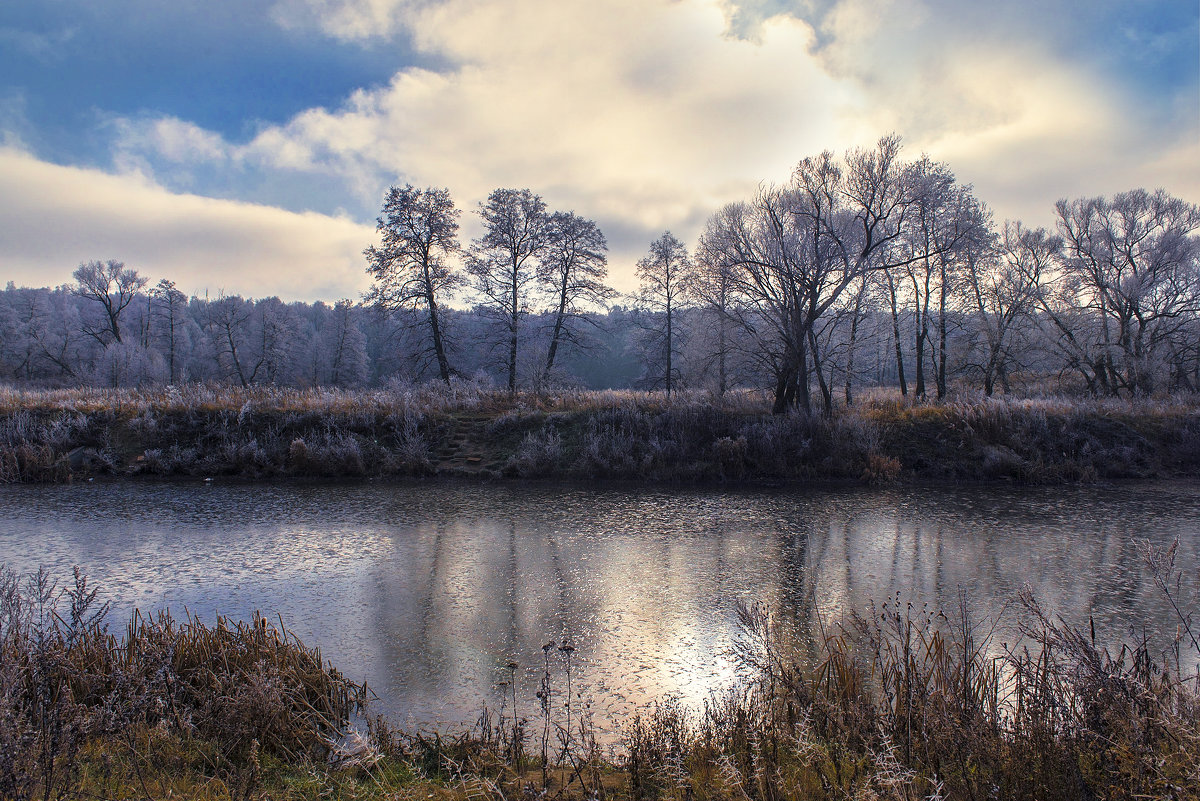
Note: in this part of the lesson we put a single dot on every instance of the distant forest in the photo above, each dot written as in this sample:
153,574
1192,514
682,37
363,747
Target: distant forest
863,270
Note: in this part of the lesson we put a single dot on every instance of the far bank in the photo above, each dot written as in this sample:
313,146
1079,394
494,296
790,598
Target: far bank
465,431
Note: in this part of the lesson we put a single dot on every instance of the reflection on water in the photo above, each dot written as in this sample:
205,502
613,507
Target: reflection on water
427,591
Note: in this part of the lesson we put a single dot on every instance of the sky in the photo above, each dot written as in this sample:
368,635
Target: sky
244,146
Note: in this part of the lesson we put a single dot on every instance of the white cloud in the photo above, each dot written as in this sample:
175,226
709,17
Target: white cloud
648,114
343,19
183,141
53,217
641,114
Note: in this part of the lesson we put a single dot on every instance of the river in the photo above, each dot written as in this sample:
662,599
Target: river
429,590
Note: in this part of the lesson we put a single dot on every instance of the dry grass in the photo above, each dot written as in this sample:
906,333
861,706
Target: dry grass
425,398
229,693
900,703
905,704
263,432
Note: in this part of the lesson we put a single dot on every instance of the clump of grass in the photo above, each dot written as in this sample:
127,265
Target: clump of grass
243,690
903,703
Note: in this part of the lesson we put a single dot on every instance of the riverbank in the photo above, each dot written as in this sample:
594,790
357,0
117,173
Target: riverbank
894,704
466,431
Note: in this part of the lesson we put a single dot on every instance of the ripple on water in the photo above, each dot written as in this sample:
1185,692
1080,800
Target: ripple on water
428,591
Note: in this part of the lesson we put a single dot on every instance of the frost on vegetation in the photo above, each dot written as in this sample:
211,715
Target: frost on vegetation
403,428
539,453
238,690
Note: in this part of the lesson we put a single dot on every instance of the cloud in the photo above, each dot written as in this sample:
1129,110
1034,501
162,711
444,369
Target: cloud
643,115
650,114
53,217
44,47
348,20
176,140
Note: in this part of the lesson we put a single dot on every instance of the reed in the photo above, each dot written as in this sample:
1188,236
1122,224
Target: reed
245,690
904,703
898,702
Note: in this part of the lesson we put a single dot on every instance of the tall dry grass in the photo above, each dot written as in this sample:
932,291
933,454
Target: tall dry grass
242,690
905,704
263,432
898,703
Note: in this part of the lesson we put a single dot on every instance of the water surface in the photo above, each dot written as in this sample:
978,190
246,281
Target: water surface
427,591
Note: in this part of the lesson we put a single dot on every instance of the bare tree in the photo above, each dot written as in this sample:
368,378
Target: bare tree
666,274
947,222
713,287
412,268
573,270
1001,286
795,250
25,314
893,298
345,346
503,261
857,312
113,286
169,307
227,321
1129,285
274,328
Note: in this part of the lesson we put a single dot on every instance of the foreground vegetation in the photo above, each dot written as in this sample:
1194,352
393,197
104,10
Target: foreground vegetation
465,429
898,704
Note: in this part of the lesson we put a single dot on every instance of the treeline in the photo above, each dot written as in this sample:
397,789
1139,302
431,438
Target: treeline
861,270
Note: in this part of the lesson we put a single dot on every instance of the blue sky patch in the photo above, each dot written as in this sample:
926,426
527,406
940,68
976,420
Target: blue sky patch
227,67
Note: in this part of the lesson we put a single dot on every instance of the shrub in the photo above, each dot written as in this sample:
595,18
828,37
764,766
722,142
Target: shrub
540,453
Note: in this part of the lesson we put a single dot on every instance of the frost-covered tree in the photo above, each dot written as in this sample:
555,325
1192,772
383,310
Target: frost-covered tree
168,307
113,286
128,364
795,250
275,346
666,275
503,262
572,272
1128,288
227,323
344,346
412,268
1001,288
713,289
947,227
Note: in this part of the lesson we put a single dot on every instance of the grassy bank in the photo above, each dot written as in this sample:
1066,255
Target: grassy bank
898,704
470,431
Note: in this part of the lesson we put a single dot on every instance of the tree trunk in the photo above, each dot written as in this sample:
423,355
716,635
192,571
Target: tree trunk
896,335
558,322
919,357
439,348
941,363
826,391
721,378
512,335
853,338
782,380
237,364
921,307
803,396
669,346
171,343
